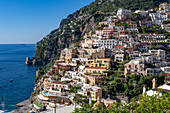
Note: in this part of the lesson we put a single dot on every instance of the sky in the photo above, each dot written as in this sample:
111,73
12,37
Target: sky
28,21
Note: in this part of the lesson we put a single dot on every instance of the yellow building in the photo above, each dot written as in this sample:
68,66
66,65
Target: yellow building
95,93
98,70
102,62
68,58
94,79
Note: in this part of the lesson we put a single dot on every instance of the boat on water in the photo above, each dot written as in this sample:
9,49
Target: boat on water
1,111
11,80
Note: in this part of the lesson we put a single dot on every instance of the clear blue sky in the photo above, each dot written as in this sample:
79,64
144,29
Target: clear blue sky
28,21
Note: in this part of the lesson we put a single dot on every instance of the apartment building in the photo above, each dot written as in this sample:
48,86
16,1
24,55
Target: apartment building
97,70
57,86
166,27
149,38
142,13
93,91
94,79
147,23
158,18
102,62
152,71
159,54
108,32
135,67
105,43
99,54
87,43
122,12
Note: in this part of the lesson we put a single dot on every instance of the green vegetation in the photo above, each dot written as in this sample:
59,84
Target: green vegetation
77,44
58,39
131,86
139,4
154,29
167,34
37,104
134,14
166,22
74,89
58,75
161,45
145,104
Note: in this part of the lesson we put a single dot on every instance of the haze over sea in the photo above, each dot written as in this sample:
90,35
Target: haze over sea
12,59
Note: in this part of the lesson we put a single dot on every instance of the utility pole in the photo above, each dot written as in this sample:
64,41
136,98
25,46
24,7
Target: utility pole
55,106
3,103
74,102
55,102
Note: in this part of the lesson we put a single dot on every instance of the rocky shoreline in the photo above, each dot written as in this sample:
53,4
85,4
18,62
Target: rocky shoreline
24,107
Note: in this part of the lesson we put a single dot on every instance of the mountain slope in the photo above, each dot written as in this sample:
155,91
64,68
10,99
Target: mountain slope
139,4
81,21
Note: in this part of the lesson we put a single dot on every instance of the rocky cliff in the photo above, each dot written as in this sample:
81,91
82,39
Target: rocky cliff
80,22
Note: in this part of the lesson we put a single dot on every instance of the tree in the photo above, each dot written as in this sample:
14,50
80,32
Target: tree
127,57
77,44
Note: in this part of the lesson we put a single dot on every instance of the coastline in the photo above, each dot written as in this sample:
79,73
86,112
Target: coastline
12,59
23,106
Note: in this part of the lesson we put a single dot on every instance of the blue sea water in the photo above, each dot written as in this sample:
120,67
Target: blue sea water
12,59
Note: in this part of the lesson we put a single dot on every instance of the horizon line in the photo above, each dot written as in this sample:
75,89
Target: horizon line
17,43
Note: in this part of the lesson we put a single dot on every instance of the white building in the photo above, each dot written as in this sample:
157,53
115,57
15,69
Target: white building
121,12
159,54
158,18
152,37
79,59
142,13
157,90
81,69
152,71
132,30
166,69
104,43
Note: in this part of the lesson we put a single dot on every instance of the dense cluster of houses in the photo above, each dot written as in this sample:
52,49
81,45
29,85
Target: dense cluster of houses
85,64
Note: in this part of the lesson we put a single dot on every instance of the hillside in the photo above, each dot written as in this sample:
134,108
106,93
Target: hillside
81,21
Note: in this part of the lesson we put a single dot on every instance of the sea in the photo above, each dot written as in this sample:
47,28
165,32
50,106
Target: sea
12,61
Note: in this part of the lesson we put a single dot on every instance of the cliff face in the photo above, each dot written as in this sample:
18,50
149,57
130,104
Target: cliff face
80,22
51,45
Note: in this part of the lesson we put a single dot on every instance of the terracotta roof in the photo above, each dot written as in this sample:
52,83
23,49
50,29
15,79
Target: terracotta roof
119,46
108,107
57,82
105,58
96,67
105,38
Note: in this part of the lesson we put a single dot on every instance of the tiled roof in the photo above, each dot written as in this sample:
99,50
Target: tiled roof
96,67
105,58
57,82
